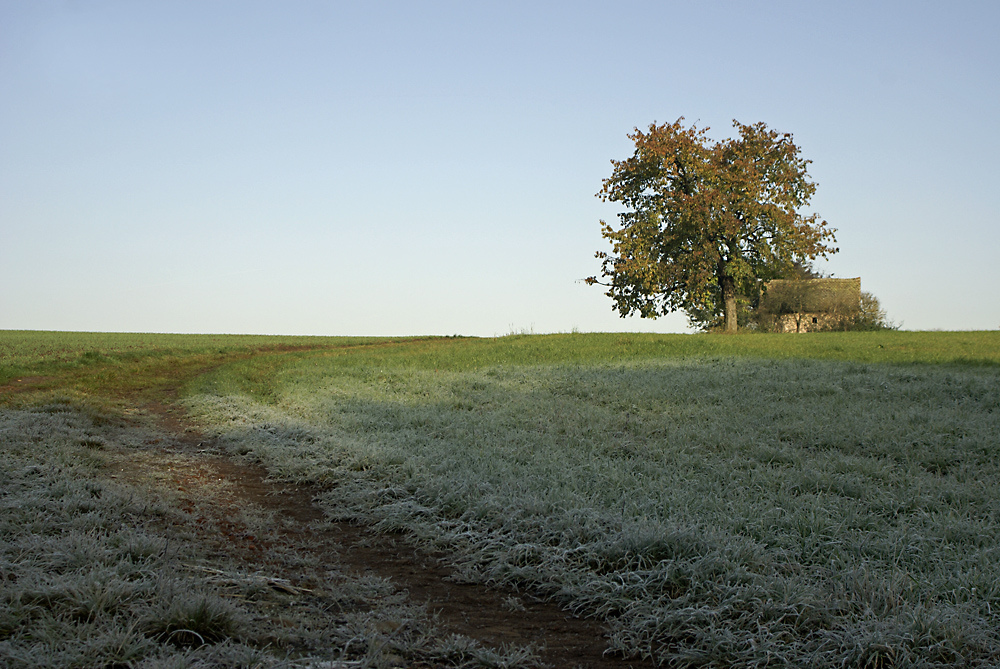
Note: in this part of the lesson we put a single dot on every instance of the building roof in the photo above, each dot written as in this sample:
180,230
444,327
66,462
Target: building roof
787,296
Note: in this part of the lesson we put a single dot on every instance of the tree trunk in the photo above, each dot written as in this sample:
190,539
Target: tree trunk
729,300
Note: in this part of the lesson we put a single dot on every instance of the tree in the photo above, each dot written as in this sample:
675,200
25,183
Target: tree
706,223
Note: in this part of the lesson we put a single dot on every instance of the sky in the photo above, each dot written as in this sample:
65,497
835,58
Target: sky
409,168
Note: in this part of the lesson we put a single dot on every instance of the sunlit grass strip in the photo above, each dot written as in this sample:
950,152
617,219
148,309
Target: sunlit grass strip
39,352
27,348
716,509
140,367
936,348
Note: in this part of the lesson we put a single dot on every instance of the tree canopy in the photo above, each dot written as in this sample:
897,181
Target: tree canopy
706,222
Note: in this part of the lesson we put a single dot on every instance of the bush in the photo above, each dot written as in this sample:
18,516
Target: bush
870,316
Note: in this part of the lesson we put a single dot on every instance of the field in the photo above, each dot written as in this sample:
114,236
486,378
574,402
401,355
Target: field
819,500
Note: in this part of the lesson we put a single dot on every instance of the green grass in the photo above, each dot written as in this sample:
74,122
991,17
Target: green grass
88,355
40,351
821,500
936,348
114,369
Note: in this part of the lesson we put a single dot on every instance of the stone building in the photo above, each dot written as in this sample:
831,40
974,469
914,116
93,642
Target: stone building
810,305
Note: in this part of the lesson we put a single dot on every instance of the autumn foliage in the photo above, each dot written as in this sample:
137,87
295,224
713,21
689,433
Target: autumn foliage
706,222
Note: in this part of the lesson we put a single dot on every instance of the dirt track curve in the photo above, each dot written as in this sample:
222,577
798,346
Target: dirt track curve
493,617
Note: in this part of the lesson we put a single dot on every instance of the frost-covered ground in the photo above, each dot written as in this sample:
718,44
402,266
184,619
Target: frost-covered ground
728,511
97,571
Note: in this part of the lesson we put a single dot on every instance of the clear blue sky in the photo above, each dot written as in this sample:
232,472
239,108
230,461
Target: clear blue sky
392,168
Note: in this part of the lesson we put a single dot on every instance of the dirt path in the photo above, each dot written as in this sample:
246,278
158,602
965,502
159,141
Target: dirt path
195,473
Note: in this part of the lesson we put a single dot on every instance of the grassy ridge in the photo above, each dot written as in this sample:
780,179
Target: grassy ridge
720,500
962,348
118,369
41,353
33,350
264,376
